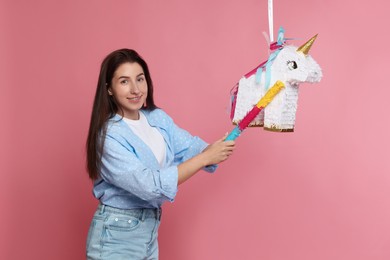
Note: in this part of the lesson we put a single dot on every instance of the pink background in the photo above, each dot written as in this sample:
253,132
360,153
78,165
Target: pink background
320,193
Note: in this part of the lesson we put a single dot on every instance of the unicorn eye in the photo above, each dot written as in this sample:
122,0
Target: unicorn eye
292,65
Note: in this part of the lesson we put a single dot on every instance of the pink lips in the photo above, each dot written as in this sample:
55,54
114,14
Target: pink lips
134,99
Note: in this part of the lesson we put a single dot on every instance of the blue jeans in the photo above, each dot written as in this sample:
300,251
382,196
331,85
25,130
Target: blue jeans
123,234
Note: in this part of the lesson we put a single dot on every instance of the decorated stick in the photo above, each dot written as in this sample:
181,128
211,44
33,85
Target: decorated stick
263,102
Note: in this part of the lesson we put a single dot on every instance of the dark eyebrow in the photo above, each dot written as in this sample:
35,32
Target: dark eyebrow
126,77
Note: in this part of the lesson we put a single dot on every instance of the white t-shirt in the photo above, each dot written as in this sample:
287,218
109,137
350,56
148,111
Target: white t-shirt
150,135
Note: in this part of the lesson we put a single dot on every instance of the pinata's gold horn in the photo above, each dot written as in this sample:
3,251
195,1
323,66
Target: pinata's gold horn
305,48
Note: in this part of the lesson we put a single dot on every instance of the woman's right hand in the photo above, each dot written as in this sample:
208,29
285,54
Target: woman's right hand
213,154
219,151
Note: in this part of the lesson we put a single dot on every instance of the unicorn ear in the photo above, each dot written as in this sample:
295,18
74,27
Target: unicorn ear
305,48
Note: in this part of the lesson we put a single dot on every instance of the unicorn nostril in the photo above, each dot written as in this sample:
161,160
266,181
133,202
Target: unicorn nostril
315,74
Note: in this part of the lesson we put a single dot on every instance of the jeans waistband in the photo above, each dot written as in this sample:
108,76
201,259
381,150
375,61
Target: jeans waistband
142,214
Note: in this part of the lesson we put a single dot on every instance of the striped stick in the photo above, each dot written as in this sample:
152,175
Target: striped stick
263,102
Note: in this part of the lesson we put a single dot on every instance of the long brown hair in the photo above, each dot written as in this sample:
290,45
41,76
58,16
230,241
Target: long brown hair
105,106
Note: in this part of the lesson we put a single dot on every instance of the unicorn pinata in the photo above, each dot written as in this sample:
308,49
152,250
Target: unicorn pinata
287,64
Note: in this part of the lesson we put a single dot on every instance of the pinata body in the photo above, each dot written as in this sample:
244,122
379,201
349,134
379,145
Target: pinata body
289,65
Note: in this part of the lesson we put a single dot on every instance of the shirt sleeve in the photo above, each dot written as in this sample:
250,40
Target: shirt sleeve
122,168
187,146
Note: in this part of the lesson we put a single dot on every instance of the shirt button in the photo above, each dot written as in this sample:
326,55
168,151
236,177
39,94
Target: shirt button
116,219
129,221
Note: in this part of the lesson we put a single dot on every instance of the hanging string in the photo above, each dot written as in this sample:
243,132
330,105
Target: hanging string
271,20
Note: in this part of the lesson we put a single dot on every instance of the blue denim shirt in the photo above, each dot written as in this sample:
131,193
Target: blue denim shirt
131,176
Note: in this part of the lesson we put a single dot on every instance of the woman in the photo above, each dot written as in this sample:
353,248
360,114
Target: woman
137,157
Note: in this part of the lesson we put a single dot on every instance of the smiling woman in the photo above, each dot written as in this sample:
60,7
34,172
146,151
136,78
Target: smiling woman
129,88
136,156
